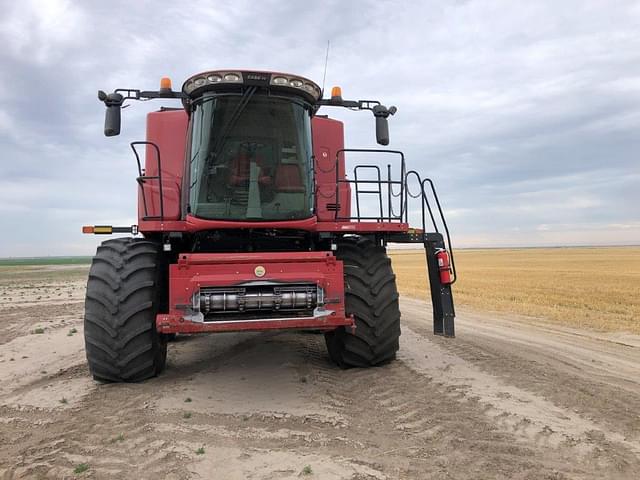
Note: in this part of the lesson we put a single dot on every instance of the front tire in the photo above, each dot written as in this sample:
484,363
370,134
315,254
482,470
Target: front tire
123,297
371,297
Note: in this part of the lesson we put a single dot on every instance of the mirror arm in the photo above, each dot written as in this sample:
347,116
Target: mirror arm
113,102
380,112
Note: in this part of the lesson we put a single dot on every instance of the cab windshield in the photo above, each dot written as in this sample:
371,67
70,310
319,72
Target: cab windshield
250,159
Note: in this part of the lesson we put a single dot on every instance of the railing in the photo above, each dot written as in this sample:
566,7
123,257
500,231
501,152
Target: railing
426,207
401,199
373,186
143,178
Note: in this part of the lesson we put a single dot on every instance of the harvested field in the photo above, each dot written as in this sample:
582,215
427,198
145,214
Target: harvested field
596,288
509,398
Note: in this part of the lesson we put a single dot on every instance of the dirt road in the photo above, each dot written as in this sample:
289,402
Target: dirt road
505,399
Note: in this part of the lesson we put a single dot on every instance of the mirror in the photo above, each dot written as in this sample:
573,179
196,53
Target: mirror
112,121
382,130
113,102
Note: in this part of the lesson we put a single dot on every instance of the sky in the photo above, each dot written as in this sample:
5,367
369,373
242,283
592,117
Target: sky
525,114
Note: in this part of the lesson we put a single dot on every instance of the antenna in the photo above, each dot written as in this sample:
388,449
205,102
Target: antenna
326,61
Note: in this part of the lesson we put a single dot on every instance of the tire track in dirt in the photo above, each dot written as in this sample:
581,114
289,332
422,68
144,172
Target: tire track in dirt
520,411
583,378
423,419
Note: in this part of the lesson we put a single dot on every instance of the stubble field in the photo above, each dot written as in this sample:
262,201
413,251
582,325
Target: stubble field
596,288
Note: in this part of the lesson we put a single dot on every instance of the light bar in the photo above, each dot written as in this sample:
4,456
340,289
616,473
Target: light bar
266,79
297,82
211,78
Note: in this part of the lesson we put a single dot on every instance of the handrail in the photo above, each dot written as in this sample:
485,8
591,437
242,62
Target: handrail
141,179
390,214
425,203
377,182
404,195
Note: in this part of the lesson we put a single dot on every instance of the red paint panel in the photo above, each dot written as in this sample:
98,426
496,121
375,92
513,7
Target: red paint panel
174,324
196,224
168,130
198,270
362,227
187,259
328,139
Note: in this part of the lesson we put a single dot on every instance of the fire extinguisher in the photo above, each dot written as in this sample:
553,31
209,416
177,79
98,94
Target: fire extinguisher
444,266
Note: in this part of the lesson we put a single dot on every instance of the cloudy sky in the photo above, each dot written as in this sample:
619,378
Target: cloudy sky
526,114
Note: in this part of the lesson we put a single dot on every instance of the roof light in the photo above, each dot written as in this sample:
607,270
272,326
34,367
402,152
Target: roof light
87,229
232,77
198,82
280,80
336,94
295,82
214,78
165,83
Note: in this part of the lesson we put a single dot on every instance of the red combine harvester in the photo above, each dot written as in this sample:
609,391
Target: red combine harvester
246,223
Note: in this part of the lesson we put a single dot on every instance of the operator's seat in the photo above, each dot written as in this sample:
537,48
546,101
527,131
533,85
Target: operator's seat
288,178
241,171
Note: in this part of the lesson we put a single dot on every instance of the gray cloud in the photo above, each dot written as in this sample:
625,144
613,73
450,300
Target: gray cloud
526,115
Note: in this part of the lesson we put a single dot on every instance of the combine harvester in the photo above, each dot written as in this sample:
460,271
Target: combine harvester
246,222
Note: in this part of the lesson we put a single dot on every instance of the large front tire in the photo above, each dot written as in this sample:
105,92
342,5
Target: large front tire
371,297
123,297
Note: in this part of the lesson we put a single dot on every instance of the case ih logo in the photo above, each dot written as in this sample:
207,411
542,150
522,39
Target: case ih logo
257,77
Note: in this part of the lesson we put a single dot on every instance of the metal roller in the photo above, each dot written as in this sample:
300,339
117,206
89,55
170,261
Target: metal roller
256,298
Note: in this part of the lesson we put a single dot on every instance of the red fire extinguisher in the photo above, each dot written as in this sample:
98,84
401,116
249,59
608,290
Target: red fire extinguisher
443,265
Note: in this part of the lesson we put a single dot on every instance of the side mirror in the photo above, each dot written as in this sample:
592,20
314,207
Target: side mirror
112,121
382,130
382,125
113,102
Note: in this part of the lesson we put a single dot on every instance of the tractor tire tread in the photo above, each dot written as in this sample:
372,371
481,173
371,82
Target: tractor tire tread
122,343
371,296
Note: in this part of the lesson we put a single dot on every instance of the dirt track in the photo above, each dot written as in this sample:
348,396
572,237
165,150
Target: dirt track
505,399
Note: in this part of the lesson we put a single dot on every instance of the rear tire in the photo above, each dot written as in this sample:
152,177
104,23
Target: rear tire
123,297
371,297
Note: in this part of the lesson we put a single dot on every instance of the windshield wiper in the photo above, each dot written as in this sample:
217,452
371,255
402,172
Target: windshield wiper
244,100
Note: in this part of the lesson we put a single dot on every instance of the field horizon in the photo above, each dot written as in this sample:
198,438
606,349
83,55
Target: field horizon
593,287
48,259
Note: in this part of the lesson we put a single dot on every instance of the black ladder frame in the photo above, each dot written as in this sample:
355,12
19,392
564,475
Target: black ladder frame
433,242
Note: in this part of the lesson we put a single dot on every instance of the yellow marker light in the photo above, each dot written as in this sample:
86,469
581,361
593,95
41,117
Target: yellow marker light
336,92
165,83
102,229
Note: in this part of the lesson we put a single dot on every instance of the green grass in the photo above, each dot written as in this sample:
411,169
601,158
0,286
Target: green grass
83,467
200,451
119,438
307,470
16,262
39,331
